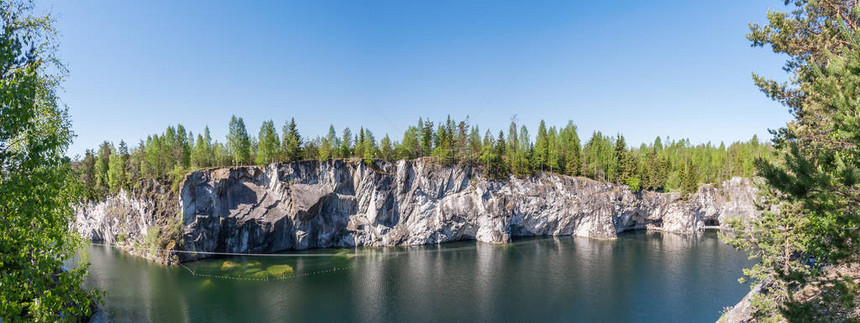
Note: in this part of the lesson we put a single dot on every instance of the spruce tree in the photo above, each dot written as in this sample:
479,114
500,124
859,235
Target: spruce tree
426,137
117,178
386,149
292,142
346,147
571,150
541,155
102,166
623,161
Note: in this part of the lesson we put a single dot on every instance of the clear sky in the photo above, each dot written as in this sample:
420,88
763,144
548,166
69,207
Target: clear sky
643,68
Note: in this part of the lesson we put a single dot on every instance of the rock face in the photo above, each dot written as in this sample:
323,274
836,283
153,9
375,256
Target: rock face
343,203
742,312
135,223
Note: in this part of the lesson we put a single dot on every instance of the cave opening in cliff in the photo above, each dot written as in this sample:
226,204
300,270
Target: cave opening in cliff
712,223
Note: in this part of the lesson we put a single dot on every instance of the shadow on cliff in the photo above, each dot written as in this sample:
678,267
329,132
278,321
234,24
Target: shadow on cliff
232,196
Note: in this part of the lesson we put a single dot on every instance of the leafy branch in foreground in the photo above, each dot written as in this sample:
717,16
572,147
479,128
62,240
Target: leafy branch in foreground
37,185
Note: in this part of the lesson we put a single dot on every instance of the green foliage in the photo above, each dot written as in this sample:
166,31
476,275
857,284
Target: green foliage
238,142
268,144
346,147
599,158
241,268
654,167
368,146
444,143
814,178
626,165
492,156
87,173
570,150
152,236
541,149
410,146
37,184
426,135
117,172
329,145
633,183
102,166
200,155
292,143
386,150
689,182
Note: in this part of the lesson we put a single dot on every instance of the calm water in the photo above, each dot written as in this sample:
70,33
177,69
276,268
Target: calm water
640,277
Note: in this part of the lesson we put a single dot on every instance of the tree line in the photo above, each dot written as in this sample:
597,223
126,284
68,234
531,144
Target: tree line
663,165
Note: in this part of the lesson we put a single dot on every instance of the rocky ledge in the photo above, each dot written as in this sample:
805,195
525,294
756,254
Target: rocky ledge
345,203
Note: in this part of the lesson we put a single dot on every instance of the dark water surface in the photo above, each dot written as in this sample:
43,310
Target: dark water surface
641,277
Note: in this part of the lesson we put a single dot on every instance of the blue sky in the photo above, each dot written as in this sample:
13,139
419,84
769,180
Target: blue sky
642,68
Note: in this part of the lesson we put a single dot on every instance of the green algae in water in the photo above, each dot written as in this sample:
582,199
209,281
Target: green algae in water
279,270
250,271
260,274
227,265
206,284
242,268
342,257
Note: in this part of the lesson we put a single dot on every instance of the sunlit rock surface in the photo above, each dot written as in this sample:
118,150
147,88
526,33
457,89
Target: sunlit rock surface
343,203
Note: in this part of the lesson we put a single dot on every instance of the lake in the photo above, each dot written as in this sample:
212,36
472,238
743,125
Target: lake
641,277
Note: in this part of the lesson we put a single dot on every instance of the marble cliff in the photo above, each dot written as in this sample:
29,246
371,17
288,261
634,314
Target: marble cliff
344,203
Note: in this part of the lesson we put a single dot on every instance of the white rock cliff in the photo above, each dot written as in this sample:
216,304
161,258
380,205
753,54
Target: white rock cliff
344,203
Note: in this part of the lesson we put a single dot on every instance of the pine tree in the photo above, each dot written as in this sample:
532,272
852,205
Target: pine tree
346,144
487,151
117,178
368,149
444,142
496,168
199,156
541,156
134,164
88,175
599,158
102,166
426,137
209,149
475,145
292,143
689,183
623,161
522,157
814,179
182,150
571,150
329,145
386,149
554,156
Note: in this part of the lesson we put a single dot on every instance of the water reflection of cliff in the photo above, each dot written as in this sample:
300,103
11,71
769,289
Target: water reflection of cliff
640,276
